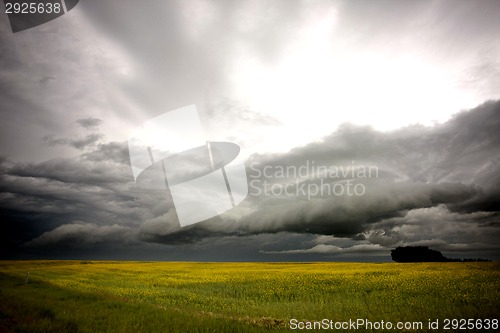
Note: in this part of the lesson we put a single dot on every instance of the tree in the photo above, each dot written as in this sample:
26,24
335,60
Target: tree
417,254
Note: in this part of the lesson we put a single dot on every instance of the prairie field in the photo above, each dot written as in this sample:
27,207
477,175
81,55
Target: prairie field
110,296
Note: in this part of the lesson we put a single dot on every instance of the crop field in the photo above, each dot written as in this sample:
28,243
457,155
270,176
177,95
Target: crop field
81,296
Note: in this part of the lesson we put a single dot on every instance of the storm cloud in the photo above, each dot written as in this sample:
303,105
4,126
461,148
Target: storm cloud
433,185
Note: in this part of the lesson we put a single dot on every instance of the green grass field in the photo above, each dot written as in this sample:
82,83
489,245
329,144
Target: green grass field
96,296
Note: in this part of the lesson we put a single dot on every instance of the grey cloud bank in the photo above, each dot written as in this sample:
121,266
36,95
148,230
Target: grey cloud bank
436,186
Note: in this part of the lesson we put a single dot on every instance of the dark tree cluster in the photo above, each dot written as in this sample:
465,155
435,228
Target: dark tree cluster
417,254
424,254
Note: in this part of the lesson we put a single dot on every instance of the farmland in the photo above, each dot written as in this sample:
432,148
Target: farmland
237,297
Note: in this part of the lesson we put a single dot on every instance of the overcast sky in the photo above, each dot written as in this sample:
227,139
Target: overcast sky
397,102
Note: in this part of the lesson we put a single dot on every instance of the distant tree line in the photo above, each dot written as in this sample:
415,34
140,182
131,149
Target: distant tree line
424,254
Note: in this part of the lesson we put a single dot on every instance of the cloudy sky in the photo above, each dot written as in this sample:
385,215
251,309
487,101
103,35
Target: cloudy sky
363,126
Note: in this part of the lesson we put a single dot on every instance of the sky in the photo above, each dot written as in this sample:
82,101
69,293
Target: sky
362,125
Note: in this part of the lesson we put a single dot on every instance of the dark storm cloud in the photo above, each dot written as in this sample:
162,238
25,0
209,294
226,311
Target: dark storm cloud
437,186
349,216
165,229
89,122
109,151
457,234
436,224
50,196
72,171
415,172
332,249
79,233
434,185
78,143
